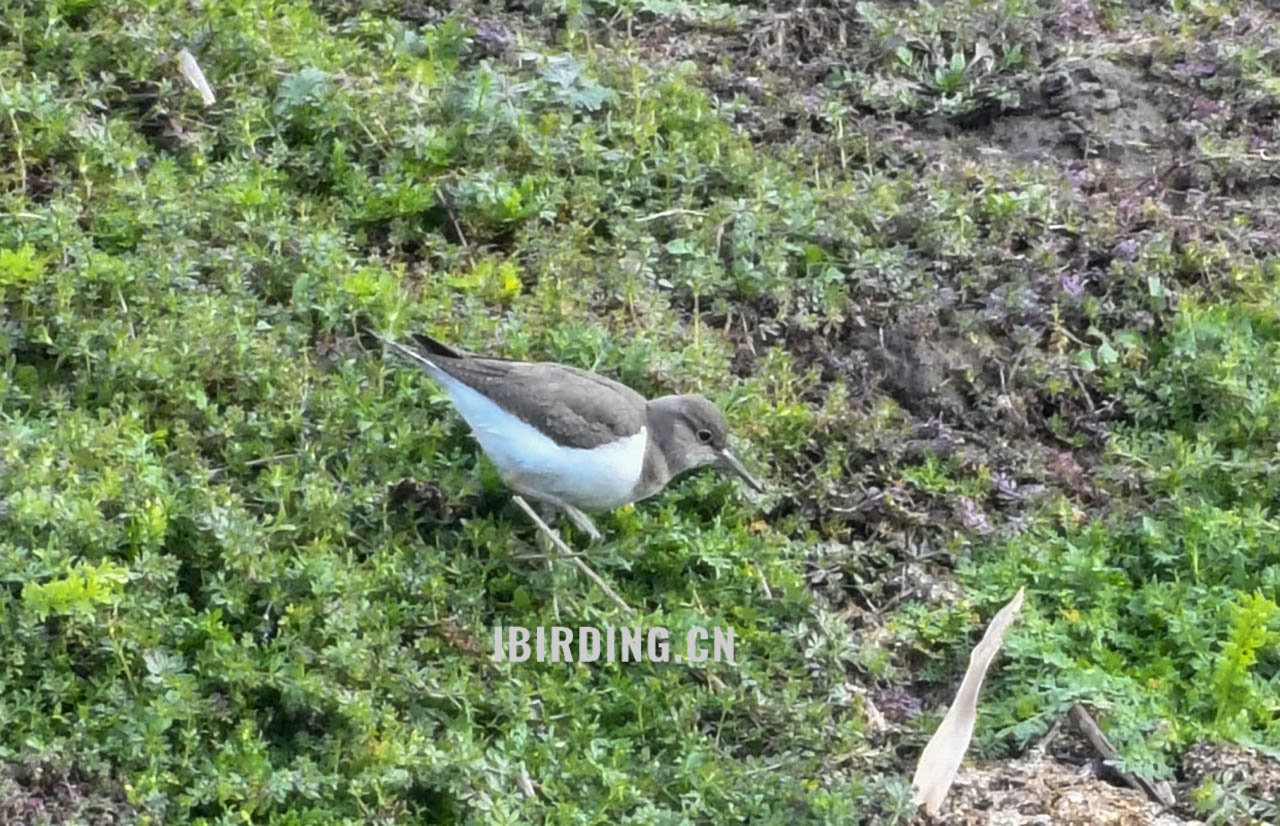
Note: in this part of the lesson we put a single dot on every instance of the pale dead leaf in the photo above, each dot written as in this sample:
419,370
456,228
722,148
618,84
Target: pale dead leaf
941,758
982,53
192,72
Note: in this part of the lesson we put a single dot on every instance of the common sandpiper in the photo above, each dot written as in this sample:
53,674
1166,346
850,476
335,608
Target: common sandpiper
573,439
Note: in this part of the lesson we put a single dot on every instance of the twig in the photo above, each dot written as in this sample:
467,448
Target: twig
1080,383
22,161
563,548
255,462
1158,791
447,203
768,593
763,769
666,212
535,556
132,332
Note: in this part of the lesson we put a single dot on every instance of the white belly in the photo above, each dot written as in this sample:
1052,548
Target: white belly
531,463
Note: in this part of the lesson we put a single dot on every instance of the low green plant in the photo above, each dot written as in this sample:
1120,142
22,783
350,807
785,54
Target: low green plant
250,568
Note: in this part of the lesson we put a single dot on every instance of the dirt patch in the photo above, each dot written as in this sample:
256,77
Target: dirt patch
1061,782
981,371
920,372
966,400
1242,785
1037,790
43,794
1087,107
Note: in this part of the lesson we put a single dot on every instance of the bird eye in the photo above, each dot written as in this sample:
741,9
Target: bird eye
704,436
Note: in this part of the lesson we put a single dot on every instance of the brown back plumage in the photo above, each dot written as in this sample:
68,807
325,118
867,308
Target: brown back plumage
572,406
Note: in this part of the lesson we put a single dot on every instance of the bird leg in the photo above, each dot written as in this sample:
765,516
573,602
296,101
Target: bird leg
573,560
582,521
579,519
546,512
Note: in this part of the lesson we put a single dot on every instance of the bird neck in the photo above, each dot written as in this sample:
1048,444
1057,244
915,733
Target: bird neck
655,473
664,457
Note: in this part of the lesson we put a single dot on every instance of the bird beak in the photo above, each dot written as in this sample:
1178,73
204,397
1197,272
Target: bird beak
730,462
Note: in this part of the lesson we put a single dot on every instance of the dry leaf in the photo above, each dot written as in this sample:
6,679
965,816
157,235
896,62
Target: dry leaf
941,758
525,784
191,71
982,52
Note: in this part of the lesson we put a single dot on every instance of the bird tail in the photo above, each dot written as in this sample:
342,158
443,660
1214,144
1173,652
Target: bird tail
419,355
436,347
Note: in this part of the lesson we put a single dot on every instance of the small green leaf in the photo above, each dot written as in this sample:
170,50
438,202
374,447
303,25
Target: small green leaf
79,592
309,86
20,267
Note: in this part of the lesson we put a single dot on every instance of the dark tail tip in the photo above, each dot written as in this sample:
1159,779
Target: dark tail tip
436,348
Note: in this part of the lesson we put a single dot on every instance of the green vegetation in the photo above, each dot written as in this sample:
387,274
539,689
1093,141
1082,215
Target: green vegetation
988,291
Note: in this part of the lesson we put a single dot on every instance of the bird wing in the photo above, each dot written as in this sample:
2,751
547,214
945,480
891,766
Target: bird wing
572,406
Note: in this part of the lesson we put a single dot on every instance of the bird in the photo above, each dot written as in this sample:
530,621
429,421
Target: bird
575,440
